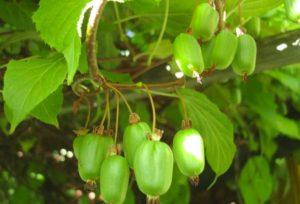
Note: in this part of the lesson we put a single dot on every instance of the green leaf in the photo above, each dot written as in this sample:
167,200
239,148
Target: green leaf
152,14
286,126
142,109
48,109
16,15
108,49
83,63
263,103
59,25
255,181
28,82
117,77
215,128
289,80
251,8
164,50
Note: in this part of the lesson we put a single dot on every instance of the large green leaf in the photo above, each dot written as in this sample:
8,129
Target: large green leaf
60,26
262,102
48,109
250,8
255,181
28,82
214,126
290,80
152,14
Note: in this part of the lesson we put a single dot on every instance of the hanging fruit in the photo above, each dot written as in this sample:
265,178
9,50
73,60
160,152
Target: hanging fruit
134,135
153,168
223,51
90,151
292,8
188,149
245,58
207,48
204,22
114,179
188,55
253,26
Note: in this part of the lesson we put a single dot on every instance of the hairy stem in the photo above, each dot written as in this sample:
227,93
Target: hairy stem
91,38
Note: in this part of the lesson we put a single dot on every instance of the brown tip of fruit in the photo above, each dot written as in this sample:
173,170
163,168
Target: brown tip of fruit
156,135
189,31
90,185
200,41
80,132
194,180
245,77
114,150
134,118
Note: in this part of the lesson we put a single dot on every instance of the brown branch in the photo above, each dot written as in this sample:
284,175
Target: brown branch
91,37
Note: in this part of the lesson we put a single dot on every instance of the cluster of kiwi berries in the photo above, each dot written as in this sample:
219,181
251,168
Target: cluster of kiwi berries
206,48
150,159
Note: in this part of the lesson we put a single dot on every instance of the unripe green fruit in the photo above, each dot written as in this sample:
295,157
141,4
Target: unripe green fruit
179,192
224,49
153,168
292,8
245,58
204,22
90,151
134,135
188,152
188,55
253,27
207,48
114,179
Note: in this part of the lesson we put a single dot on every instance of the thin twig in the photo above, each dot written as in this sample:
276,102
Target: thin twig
88,116
121,31
185,113
171,84
106,109
155,65
152,107
161,35
117,117
122,96
108,112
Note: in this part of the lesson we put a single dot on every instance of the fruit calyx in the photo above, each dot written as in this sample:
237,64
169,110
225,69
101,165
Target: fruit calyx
82,131
186,124
114,150
99,130
152,200
134,118
194,180
156,135
90,185
245,77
